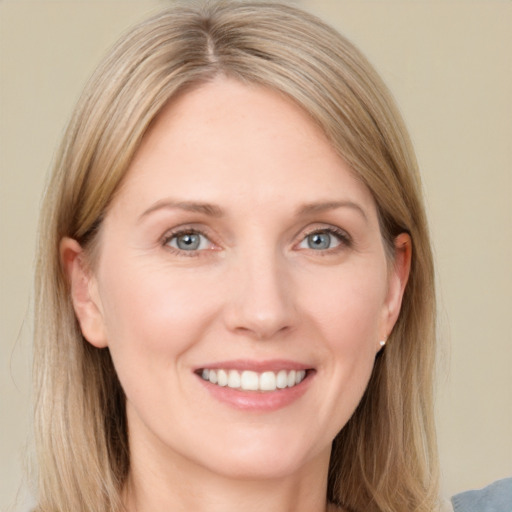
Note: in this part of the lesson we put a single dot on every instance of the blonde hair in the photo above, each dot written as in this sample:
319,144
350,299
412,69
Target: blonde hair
384,459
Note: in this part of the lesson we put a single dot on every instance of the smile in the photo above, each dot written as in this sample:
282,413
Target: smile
253,381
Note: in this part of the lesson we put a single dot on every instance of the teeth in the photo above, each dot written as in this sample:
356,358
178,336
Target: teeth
267,381
234,379
222,378
249,381
282,379
253,381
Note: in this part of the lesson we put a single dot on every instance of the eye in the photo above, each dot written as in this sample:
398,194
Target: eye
188,241
324,239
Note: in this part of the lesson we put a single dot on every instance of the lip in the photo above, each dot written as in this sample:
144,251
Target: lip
270,365
257,401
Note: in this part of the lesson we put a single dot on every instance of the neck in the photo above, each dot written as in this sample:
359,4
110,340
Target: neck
179,485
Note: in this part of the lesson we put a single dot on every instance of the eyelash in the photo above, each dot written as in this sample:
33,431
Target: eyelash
166,239
342,236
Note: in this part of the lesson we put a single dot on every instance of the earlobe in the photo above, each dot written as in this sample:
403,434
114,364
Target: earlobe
84,295
399,275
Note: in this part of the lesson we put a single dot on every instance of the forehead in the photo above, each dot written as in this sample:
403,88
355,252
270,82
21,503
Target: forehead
226,140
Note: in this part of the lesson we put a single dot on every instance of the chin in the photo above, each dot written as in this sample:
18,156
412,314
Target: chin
262,457
261,467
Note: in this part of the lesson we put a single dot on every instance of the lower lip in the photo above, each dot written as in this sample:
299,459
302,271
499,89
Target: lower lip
258,400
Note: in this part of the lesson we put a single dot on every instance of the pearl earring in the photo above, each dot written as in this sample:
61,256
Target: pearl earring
382,343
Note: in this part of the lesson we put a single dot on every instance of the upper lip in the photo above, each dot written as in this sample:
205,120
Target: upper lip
272,365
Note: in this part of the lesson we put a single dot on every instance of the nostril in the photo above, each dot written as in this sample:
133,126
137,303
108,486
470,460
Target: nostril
263,331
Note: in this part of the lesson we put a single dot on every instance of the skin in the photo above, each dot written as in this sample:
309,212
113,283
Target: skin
253,290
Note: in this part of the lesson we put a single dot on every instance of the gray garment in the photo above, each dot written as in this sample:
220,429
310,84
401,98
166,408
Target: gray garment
496,497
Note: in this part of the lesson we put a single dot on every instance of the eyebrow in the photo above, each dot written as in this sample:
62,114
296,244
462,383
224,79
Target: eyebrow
205,208
212,210
312,208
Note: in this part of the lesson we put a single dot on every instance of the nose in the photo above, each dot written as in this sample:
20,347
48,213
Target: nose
261,304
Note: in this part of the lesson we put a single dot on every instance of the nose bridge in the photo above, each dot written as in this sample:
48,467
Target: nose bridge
262,303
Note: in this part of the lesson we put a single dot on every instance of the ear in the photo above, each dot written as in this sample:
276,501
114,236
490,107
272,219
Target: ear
397,280
84,292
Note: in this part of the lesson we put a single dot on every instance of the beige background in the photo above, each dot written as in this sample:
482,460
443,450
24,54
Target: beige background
448,63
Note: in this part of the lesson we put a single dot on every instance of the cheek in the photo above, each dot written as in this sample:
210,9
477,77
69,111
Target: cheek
153,313
348,320
348,306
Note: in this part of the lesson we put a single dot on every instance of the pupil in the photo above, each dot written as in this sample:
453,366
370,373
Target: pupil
187,242
319,241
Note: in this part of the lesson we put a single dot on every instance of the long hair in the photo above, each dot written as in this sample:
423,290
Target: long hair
384,459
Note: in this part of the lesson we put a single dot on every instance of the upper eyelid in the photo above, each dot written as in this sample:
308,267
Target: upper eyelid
184,229
331,229
336,230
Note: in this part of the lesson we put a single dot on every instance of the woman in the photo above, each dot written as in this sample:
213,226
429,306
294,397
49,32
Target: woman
235,304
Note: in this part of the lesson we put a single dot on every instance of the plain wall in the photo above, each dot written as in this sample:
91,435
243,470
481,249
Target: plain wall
448,64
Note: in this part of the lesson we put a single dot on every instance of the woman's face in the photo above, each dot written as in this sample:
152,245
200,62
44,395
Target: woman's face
241,286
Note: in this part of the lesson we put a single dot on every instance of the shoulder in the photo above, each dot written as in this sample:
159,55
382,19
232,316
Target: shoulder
496,497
